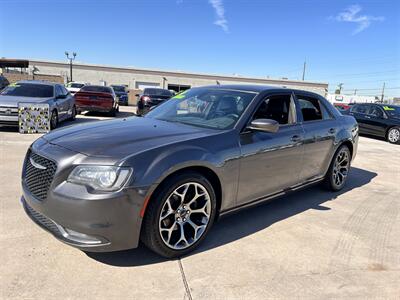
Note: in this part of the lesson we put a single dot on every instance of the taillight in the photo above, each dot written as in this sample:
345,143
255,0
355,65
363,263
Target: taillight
145,98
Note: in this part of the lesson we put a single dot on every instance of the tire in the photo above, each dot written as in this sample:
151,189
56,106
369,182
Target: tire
393,135
74,113
162,231
53,120
112,112
335,178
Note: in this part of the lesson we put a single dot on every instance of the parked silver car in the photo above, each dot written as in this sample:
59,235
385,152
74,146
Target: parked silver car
61,102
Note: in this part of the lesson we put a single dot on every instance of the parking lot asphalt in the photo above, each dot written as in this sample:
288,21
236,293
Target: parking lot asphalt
311,244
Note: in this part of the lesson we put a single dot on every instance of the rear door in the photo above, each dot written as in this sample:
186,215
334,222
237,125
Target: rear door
359,112
375,120
319,127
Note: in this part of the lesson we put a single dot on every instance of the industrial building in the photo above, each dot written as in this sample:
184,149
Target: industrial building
137,79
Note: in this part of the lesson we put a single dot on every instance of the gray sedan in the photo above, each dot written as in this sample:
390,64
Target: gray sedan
61,102
167,177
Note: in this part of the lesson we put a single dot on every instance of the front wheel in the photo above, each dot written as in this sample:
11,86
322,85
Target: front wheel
339,169
393,135
53,120
179,215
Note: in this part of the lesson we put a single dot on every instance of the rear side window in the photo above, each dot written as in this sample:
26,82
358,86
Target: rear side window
157,92
96,88
361,109
312,109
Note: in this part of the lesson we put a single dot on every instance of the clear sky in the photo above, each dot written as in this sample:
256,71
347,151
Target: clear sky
352,42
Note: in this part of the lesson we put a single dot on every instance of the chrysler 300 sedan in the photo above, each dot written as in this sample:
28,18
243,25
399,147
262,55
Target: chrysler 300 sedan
165,178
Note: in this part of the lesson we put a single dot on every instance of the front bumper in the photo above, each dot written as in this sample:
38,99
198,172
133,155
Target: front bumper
90,222
9,120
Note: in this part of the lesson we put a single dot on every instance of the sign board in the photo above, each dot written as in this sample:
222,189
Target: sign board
33,118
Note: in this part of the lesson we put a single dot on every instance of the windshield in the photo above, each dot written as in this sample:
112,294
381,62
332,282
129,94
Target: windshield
29,90
204,107
157,92
118,88
75,85
392,110
96,88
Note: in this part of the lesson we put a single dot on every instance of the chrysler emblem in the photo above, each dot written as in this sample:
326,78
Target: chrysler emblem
8,111
36,165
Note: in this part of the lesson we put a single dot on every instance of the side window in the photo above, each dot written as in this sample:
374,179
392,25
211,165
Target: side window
360,109
312,109
58,90
64,90
376,112
279,108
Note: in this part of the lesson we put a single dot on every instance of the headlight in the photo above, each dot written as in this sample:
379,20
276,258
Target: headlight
104,178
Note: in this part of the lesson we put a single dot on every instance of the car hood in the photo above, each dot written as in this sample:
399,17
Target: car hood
121,138
12,101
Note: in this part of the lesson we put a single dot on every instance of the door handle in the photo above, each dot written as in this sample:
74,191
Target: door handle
296,138
332,130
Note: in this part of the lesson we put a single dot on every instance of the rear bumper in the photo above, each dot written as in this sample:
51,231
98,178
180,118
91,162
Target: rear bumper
94,108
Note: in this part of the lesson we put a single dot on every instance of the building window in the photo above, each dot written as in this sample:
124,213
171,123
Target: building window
178,87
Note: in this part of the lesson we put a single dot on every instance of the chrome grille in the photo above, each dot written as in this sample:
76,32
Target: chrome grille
8,111
38,180
42,220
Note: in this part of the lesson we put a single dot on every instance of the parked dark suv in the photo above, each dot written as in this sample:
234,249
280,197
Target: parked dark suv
151,97
378,119
166,177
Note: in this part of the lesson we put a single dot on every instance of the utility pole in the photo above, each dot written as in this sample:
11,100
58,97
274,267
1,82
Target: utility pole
355,92
304,69
70,63
383,92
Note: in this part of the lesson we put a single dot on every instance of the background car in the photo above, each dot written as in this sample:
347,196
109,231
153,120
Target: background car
74,87
151,97
122,94
97,98
166,177
380,120
3,82
341,106
61,102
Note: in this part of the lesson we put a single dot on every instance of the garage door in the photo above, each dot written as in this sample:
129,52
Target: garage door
143,85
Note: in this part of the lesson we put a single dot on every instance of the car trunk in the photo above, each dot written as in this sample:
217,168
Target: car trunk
94,99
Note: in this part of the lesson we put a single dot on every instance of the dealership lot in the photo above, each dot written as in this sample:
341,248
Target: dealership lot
313,243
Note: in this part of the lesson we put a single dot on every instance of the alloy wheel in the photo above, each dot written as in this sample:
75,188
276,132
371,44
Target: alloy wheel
341,167
394,135
185,215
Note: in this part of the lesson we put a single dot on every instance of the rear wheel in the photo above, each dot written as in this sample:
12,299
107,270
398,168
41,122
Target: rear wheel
179,215
339,169
112,112
393,135
73,114
53,120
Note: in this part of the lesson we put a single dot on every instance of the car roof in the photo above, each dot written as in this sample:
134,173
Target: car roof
258,88
39,82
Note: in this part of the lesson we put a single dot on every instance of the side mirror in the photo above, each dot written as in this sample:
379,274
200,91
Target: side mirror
265,125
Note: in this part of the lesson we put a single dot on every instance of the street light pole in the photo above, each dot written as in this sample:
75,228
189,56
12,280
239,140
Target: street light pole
70,63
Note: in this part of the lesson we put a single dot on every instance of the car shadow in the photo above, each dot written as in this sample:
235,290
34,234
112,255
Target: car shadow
379,138
246,222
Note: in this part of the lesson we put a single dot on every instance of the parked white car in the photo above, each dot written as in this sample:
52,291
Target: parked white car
74,86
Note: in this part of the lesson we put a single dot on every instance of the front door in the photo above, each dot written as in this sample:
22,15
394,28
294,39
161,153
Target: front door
271,162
